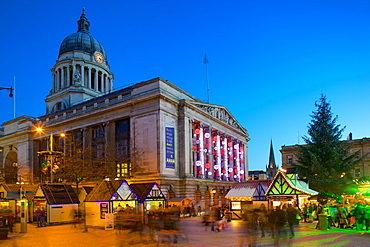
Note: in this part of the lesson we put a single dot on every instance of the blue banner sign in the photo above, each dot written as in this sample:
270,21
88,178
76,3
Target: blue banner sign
170,147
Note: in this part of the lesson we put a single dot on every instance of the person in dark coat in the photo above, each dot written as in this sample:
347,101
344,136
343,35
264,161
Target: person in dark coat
271,221
280,221
359,213
367,216
292,218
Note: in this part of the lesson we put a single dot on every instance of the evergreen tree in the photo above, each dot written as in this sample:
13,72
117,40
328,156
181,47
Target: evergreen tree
325,160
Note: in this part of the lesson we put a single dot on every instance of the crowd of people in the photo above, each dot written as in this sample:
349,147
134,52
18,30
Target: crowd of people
271,223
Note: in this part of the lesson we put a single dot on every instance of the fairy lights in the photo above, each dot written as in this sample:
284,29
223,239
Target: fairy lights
217,155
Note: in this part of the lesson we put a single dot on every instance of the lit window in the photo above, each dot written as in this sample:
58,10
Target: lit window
290,159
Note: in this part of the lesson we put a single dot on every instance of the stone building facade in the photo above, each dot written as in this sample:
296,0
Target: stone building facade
160,132
362,170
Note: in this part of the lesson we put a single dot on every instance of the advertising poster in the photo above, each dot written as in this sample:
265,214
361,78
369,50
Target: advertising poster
170,143
109,221
103,210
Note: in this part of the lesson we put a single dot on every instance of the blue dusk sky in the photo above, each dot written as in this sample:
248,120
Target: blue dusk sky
269,61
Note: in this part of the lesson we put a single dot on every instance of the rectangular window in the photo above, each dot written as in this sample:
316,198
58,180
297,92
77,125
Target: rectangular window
236,205
123,170
97,132
290,159
357,172
122,139
2,195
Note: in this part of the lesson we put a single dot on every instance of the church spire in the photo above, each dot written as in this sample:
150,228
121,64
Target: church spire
271,168
83,23
272,164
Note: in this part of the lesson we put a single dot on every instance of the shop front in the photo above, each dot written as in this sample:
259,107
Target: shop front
288,189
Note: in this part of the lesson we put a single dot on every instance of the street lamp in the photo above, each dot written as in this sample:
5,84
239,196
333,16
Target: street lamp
51,151
10,90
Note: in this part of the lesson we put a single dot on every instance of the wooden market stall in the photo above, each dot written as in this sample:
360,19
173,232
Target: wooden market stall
247,194
11,196
288,188
59,201
108,197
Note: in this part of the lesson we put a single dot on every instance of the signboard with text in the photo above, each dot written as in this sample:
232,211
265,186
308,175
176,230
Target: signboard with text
170,143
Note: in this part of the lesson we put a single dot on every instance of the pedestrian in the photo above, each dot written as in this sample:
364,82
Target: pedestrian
367,216
271,221
280,222
305,212
262,221
43,217
38,217
359,215
292,218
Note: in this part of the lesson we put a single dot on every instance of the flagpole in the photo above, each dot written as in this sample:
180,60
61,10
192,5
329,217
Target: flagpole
206,62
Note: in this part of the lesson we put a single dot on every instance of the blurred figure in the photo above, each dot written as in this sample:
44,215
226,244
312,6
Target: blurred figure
199,211
271,221
292,218
262,220
367,216
39,217
250,221
280,222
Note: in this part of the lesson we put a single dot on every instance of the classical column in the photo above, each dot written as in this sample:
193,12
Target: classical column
89,81
83,76
62,79
96,80
73,75
68,81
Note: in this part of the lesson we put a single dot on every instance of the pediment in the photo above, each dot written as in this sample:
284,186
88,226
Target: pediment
220,113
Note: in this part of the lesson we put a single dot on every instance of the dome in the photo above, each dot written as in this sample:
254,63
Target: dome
82,40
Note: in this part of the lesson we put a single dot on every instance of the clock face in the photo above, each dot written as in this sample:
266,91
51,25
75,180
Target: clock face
99,57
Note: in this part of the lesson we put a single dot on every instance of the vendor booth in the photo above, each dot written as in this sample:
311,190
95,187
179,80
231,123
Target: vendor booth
58,201
288,189
148,195
11,196
245,195
108,197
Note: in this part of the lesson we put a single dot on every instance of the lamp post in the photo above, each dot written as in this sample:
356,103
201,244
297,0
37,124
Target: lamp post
51,151
10,90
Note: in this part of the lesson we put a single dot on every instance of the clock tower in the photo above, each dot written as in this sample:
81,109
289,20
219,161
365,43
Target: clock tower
81,71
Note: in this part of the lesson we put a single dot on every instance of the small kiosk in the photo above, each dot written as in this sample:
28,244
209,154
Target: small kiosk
148,195
59,200
108,197
288,189
247,194
105,198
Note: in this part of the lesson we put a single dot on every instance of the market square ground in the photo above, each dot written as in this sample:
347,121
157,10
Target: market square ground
66,235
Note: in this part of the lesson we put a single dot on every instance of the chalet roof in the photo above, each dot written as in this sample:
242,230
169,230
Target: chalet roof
103,191
288,184
142,190
246,189
88,189
11,187
59,194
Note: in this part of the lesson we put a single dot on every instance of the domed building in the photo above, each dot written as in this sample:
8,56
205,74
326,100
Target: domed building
81,72
152,131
